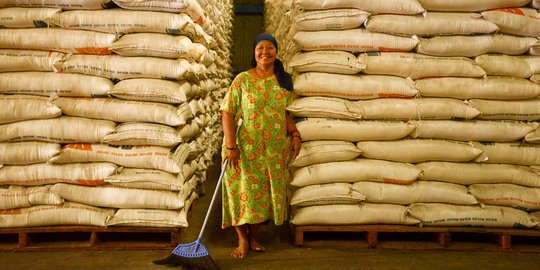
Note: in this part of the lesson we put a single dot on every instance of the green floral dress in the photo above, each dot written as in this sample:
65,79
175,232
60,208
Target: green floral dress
257,193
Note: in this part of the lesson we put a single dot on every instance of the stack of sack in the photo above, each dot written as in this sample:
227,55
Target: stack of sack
109,109
414,112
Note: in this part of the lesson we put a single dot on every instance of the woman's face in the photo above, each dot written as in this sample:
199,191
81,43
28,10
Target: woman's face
265,53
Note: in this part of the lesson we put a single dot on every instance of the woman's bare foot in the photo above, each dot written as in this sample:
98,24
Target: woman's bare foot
256,246
241,251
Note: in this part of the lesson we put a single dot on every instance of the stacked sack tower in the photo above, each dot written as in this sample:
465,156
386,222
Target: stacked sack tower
414,112
108,109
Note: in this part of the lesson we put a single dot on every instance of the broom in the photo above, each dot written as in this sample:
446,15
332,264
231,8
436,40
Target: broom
195,255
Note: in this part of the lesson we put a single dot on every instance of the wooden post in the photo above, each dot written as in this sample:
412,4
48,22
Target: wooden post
443,239
175,238
23,240
505,241
94,239
372,239
298,237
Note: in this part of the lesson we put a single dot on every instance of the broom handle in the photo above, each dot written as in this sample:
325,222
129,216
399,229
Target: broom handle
218,185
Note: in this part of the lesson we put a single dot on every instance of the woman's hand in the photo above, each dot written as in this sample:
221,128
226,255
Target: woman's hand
232,153
296,139
233,156
296,145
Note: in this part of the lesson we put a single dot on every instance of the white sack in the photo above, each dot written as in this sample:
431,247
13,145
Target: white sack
472,130
413,151
353,40
15,108
431,24
28,60
119,21
64,129
353,87
55,215
314,152
436,214
154,90
373,6
189,130
535,49
124,111
533,137
55,39
534,63
417,192
192,8
414,66
119,197
154,217
535,78
505,88
339,62
147,218
475,173
326,107
472,46
466,5
187,152
157,5
523,110
16,17
382,109
355,171
119,67
146,179
143,134
516,21
48,83
507,65
510,153
24,153
339,214
424,108
149,157
22,197
63,4
43,174
331,19
331,193
525,198
155,45
313,129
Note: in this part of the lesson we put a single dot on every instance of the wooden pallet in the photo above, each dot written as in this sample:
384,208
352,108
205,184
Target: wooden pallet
57,238
419,238
63,238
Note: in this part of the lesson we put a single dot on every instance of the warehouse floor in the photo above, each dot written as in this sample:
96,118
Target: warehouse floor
280,254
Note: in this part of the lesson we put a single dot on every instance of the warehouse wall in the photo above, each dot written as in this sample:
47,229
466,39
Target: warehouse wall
248,23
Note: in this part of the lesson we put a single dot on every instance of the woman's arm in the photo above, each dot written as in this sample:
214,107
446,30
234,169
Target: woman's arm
229,130
296,141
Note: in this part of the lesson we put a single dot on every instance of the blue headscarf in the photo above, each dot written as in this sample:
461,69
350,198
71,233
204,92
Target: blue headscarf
284,79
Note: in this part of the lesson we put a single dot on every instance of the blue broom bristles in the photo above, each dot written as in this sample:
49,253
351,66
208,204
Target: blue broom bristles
190,256
192,250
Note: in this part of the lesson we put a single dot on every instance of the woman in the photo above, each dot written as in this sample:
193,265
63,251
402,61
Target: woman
255,183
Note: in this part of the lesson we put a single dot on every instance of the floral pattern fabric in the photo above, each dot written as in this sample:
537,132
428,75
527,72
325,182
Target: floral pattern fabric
257,193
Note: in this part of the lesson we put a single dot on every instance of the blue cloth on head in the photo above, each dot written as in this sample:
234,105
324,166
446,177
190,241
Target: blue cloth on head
284,79
265,36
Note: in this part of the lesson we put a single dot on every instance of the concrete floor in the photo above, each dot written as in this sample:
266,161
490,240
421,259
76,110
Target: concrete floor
280,254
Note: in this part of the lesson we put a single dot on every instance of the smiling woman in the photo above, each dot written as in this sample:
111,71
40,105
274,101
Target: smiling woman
254,185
